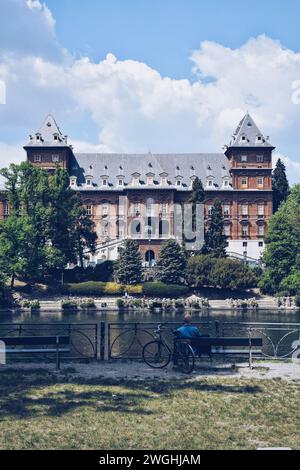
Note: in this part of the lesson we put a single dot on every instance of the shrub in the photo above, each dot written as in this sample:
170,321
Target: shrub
120,304
85,288
31,304
291,284
134,290
159,289
88,303
101,272
69,304
112,288
297,300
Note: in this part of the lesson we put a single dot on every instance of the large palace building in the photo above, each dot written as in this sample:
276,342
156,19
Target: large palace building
121,192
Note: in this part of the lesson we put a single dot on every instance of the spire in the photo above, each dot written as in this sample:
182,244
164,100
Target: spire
248,134
49,134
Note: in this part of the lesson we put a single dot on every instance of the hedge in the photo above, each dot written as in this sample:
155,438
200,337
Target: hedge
151,289
159,289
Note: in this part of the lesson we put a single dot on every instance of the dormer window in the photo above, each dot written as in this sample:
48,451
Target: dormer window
89,181
226,183
150,177
163,179
259,138
73,181
120,182
178,181
104,182
210,183
136,179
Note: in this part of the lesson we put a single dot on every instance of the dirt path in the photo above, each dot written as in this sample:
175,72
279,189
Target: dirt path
140,371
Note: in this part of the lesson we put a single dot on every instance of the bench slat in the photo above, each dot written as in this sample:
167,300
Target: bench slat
24,351
239,342
35,340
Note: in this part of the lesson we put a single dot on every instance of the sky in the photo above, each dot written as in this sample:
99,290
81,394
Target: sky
150,75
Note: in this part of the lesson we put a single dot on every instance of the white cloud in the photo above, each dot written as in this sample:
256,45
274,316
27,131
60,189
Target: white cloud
11,154
133,107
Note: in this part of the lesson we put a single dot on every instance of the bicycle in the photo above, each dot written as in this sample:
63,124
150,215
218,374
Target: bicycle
158,354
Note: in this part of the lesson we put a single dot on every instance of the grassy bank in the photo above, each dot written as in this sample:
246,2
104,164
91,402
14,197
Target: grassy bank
42,411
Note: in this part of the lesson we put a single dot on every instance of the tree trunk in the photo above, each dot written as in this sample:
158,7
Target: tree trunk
12,281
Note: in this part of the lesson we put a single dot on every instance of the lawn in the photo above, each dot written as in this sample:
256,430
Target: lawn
39,410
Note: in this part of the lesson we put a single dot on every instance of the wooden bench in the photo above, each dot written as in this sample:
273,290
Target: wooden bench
207,346
33,345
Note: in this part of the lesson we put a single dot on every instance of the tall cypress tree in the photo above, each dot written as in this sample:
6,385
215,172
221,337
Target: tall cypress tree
197,197
215,240
280,185
171,263
129,265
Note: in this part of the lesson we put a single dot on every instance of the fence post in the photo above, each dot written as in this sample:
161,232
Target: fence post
250,349
108,341
102,341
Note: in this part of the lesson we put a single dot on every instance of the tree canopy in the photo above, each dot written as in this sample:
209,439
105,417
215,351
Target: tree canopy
171,263
129,265
280,185
282,253
215,240
47,227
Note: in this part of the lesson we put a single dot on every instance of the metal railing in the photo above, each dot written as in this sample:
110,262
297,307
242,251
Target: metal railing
280,340
125,340
86,339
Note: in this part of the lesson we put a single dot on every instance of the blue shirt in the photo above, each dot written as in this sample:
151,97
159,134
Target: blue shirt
188,332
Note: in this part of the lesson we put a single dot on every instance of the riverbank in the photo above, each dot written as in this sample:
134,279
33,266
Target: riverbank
111,304
43,410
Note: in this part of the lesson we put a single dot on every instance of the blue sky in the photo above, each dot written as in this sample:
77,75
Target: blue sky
163,33
159,75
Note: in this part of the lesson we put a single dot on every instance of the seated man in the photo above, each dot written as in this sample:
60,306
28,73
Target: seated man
188,331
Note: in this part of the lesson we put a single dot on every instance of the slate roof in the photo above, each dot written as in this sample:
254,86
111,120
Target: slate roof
45,137
248,134
177,166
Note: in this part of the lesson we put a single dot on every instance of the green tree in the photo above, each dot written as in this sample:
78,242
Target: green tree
215,240
282,253
171,263
206,271
129,265
280,185
3,290
47,226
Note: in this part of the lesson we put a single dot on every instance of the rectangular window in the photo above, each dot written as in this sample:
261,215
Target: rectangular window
209,210
261,244
260,181
244,158
164,208
245,209
120,182
245,231
226,210
245,244
37,158
88,182
88,209
104,182
244,182
6,210
105,209
55,158
260,158
261,209
261,231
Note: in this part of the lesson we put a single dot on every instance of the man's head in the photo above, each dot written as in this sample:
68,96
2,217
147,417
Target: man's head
187,318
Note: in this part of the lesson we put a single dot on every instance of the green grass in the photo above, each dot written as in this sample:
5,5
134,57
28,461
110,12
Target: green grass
39,410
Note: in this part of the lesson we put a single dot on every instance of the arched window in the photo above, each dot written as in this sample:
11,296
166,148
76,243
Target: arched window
150,258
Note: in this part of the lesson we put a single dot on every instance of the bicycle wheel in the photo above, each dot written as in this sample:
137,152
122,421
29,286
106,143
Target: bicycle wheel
185,358
156,354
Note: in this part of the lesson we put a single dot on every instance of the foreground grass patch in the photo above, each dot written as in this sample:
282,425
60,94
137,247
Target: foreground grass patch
44,411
